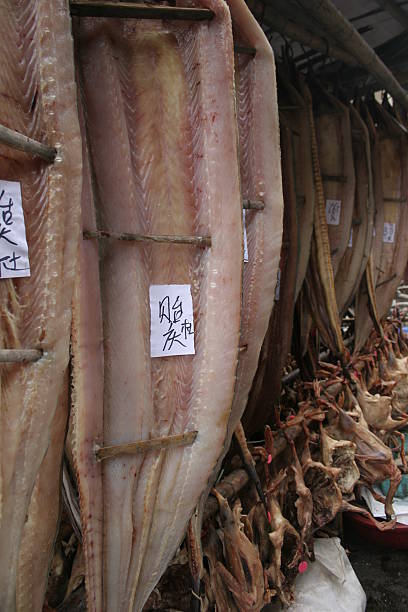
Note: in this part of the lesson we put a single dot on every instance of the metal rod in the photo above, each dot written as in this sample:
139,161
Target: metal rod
28,145
201,241
138,11
245,50
394,9
252,205
19,355
335,178
338,27
143,446
294,31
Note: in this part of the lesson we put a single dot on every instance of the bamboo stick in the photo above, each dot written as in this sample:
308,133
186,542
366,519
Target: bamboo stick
19,355
18,141
143,446
138,11
201,241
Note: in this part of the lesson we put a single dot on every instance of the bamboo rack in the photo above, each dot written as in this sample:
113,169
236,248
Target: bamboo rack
20,142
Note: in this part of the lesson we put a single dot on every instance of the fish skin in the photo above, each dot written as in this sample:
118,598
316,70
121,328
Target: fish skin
365,298
43,516
175,154
394,174
38,75
333,133
266,386
261,179
355,258
294,94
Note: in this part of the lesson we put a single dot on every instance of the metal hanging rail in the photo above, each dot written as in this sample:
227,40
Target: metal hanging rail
138,11
18,141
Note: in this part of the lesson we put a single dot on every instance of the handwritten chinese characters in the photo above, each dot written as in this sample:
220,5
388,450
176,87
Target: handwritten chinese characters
13,244
171,321
389,232
333,211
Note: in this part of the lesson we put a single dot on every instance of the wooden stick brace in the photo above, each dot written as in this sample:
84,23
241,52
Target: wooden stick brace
144,446
20,355
18,141
200,241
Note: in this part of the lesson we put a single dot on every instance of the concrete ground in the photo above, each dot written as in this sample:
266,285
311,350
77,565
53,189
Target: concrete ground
383,573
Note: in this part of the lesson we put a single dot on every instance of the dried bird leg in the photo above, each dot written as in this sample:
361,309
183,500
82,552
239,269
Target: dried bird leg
215,589
285,541
248,461
385,526
304,502
243,573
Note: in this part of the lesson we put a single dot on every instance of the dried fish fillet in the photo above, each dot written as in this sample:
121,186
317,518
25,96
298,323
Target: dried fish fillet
164,93
38,99
258,128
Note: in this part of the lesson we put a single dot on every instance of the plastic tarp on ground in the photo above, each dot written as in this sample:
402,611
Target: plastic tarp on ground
328,584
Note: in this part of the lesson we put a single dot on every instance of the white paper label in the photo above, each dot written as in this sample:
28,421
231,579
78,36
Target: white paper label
389,232
245,238
277,288
350,242
171,320
13,244
333,210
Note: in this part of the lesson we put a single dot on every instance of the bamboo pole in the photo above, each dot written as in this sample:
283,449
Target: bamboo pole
15,140
339,28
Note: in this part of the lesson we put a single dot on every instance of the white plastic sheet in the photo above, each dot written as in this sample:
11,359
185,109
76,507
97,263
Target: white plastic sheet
329,584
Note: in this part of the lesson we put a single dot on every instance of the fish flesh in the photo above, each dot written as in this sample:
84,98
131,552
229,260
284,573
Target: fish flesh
163,93
354,261
266,387
37,99
261,179
43,516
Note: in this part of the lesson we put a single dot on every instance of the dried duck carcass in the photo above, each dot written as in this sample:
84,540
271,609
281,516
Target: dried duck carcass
162,207
38,100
